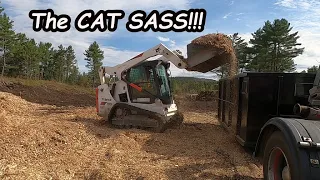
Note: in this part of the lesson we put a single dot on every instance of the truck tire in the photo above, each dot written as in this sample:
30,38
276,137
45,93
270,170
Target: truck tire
278,159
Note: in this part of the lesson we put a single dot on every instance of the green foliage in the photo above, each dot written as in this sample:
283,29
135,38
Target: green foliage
222,71
273,48
32,60
23,57
46,61
181,85
94,56
84,80
240,47
70,68
6,37
313,69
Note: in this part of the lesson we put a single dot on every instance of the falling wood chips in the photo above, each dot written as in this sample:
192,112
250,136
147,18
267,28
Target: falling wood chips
221,44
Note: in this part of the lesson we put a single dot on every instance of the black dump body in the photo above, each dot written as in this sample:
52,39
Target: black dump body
249,100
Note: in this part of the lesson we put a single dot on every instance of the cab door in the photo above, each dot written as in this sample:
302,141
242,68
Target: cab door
143,76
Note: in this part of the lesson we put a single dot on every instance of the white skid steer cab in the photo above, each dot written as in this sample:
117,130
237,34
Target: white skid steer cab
137,93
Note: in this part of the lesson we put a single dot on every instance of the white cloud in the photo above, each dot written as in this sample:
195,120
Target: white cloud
300,4
286,3
172,43
163,39
246,37
166,40
226,16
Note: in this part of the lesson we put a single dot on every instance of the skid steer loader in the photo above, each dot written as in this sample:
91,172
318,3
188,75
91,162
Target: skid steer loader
137,93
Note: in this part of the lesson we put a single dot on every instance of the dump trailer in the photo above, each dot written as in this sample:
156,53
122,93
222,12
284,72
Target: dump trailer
277,116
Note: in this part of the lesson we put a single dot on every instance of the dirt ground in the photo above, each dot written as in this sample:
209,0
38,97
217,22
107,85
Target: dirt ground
45,141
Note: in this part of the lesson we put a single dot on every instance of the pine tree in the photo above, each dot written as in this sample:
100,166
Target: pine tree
16,57
274,47
94,56
83,80
70,62
6,36
240,47
46,57
59,63
221,71
33,68
73,77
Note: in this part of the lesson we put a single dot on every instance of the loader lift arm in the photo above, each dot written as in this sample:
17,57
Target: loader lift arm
178,60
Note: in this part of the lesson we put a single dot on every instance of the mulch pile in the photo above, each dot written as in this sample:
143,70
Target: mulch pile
13,104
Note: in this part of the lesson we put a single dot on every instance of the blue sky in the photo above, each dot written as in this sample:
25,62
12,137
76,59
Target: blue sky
224,16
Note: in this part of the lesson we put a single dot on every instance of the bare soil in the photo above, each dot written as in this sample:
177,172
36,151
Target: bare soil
45,141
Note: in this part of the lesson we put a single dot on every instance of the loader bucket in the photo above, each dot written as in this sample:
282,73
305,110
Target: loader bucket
209,52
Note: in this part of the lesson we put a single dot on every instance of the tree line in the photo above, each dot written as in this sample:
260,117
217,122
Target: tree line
182,85
312,69
23,57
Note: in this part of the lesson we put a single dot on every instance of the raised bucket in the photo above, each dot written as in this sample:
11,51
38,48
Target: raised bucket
209,52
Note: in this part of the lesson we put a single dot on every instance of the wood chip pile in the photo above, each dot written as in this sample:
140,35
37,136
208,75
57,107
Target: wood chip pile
13,104
39,141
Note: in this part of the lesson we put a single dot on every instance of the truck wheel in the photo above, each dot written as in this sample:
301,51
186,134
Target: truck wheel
278,162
